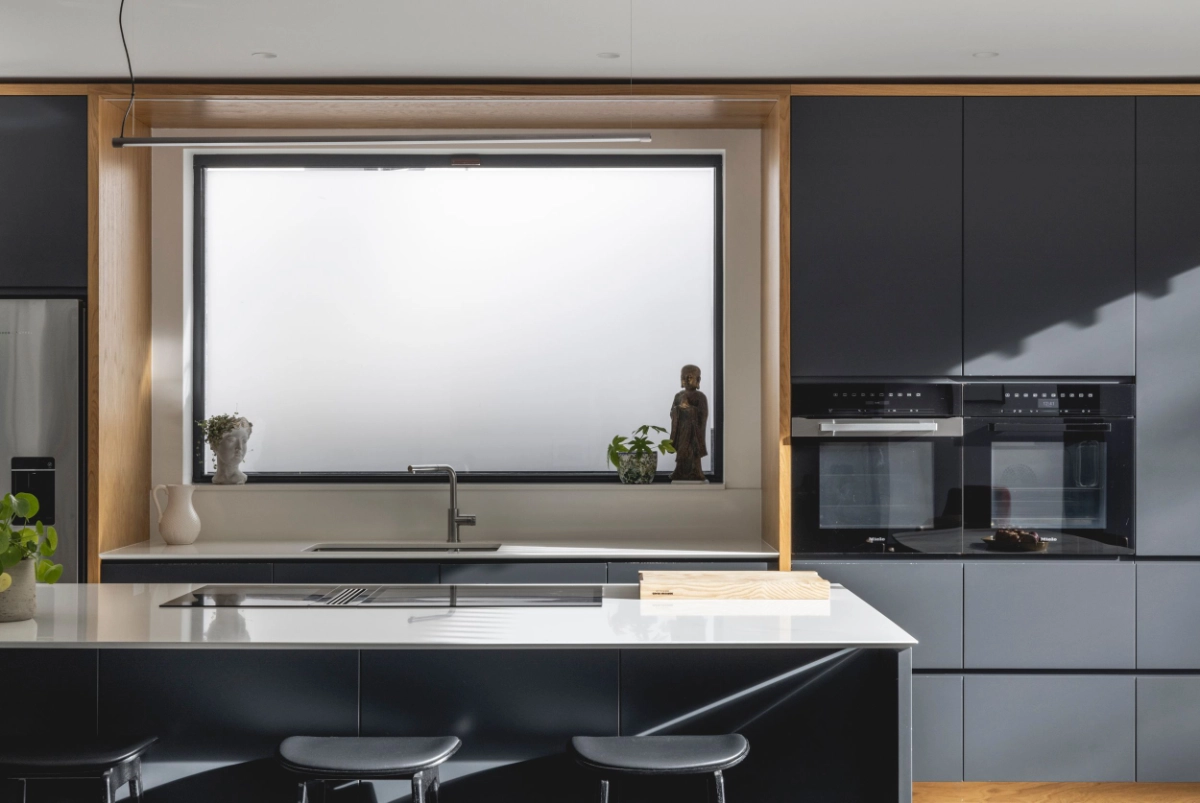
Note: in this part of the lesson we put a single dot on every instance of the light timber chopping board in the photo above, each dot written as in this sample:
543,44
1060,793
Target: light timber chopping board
732,585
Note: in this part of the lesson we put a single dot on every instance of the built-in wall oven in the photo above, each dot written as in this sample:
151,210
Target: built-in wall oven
1053,458
877,467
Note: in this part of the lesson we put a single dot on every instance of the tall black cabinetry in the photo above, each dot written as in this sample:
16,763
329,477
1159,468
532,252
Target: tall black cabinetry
1048,223
963,236
43,195
876,236
1168,325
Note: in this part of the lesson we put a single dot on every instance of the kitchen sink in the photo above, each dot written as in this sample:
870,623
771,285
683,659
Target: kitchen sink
404,546
391,596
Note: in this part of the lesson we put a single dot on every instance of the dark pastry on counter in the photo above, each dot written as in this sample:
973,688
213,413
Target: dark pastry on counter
1012,535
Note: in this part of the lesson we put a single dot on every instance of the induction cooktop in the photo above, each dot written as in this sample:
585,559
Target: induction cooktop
390,596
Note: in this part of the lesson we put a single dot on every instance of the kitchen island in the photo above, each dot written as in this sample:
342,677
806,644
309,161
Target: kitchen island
820,688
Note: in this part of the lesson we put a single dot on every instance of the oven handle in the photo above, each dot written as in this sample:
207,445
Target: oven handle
1048,427
926,428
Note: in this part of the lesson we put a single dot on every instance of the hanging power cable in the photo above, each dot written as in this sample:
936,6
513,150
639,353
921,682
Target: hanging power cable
128,64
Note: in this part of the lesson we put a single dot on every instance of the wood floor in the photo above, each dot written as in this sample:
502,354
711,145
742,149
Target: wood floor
1056,793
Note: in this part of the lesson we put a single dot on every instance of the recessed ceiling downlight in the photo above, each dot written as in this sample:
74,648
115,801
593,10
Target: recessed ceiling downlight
608,55
985,54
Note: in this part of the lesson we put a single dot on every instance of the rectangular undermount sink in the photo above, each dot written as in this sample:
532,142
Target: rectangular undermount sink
404,546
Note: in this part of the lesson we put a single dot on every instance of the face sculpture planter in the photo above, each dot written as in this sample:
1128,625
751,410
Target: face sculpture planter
231,451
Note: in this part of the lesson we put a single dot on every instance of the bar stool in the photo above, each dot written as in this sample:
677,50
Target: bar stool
318,759
661,755
112,761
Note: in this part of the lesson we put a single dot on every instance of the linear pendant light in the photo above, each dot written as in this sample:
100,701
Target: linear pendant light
385,139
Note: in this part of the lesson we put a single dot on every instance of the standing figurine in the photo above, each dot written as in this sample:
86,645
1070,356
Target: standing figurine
689,427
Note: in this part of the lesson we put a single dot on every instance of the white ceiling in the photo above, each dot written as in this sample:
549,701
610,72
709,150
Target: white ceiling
559,39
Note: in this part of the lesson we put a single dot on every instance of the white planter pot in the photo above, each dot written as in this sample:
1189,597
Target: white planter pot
637,469
19,601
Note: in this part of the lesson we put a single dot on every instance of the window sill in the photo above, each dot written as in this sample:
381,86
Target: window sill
658,487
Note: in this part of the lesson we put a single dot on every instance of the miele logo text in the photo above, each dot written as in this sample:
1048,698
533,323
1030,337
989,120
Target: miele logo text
662,593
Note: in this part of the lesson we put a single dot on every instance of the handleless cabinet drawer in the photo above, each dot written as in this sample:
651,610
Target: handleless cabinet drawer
1049,615
1168,729
144,571
355,571
923,597
524,572
937,726
1053,728
1168,615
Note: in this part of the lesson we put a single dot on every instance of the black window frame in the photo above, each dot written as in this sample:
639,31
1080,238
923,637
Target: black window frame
714,386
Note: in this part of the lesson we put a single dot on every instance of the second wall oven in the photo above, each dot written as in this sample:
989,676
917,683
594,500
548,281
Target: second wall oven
1053,458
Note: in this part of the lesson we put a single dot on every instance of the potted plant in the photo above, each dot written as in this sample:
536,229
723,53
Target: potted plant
635,457
24,557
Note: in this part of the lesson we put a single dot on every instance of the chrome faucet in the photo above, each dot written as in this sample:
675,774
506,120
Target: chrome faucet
456,519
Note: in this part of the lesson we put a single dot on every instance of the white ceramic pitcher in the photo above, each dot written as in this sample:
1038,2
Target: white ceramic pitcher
179,524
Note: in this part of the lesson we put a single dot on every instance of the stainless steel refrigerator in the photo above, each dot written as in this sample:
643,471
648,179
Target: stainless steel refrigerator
41,359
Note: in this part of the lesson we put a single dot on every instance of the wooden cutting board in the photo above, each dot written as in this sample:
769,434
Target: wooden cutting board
732,585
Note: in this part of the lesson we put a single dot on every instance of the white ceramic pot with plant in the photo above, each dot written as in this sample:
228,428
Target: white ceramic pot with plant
25,552
635,457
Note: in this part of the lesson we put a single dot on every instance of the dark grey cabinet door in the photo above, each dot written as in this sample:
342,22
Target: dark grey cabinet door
355,571
1048,249
43,193
876,236
937,725
1168,615
524,572
1168,326
1168,729
628,572
184,572
1049,728
923,597
1043,615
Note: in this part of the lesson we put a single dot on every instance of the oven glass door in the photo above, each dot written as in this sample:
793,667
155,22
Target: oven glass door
877,487
1070,481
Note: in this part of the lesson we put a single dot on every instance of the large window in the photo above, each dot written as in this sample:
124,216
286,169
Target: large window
508,317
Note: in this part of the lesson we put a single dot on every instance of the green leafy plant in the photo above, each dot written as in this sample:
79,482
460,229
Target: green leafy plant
216,427
24,541
638,443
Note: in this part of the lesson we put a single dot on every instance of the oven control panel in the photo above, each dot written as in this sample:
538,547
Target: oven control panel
876,399
1050,399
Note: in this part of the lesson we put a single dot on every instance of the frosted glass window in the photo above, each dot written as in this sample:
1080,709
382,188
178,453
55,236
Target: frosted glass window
500,319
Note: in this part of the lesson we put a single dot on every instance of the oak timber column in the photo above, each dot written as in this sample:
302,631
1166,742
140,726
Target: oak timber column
118,335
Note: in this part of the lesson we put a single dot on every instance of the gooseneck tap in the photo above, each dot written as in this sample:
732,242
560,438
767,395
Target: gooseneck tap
456,519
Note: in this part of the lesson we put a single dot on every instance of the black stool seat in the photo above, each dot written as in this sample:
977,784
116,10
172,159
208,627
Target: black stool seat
354,757
59,758
661,755
114,762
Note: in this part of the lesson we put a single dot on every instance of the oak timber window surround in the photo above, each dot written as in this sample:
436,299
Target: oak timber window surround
368,311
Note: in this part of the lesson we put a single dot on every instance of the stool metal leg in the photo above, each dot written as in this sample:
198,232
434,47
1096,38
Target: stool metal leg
418,788
433,784
719,786
302,792
603,790
135,790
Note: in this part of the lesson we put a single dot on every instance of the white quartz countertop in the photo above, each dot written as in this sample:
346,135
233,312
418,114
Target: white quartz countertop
298,550
119,615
